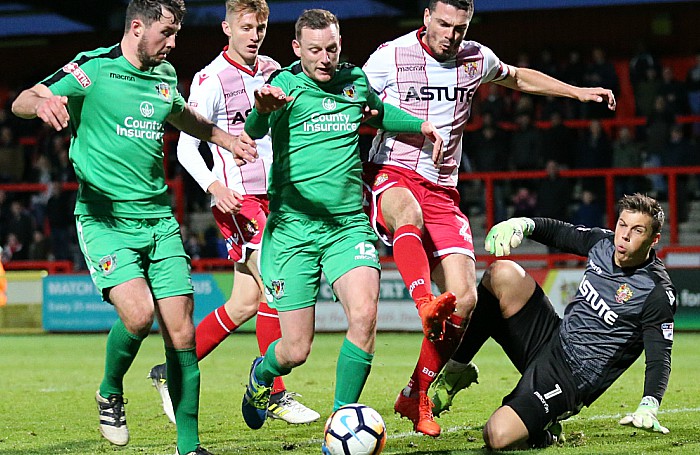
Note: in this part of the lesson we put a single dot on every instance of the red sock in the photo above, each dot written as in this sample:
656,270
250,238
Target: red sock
434,355
267,329
411,260
213,329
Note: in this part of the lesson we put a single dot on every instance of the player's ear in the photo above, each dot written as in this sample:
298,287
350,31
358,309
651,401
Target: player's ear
426,17
136,27
226,28
297,48
657,237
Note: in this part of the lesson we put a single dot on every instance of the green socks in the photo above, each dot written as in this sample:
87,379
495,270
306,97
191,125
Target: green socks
269,368
351,373
183,385
122,347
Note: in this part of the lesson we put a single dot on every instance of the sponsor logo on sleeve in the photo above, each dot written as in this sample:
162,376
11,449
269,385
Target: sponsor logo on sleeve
78,74
667,330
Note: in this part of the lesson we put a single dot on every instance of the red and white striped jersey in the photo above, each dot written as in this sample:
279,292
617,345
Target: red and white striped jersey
406,75
224,93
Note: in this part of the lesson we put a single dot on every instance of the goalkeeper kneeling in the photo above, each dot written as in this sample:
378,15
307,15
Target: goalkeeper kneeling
624,305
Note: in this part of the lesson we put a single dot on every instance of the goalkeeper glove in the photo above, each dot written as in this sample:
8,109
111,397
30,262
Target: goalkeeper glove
645,416
508,234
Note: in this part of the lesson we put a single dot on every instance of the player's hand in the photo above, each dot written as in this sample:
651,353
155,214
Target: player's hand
53,111
269,98
508,234
244,149
368,113
428,130
645,417
598,95
226,200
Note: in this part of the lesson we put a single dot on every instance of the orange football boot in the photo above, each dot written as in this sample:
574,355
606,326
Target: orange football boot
434,311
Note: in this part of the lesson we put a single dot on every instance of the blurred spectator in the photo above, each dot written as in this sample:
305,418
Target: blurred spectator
550,105
646,92
593,148
13,249
495,104
19,223
692,82
59,213
558,142
63,170
11,156
193,247
657,133
594,152
599,73
214,244
589,212
488,152
674,91
42,174
628,154
640,62
545,63
524,203
4,215
553,194
572,73
525,145
39,249
680,152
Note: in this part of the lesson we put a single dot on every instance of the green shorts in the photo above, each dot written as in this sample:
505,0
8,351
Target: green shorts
295,249
117,250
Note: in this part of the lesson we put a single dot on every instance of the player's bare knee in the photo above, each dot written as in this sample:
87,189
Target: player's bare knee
466,302
241,310
496,438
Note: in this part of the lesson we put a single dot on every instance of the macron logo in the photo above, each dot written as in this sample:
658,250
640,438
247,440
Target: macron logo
202,78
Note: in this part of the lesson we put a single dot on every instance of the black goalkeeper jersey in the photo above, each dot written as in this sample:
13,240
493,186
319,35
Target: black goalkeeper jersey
616,314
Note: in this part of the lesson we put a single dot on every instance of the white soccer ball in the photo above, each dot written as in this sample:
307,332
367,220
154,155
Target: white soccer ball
354,429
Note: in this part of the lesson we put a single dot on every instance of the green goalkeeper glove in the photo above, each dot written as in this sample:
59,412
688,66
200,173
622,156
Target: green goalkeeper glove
645,416
508,234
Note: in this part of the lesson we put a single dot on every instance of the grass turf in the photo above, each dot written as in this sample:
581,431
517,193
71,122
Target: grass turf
47,386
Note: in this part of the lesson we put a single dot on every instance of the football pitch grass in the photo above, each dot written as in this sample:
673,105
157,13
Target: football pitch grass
48,382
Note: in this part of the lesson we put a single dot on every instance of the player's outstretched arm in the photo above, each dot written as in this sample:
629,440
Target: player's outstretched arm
195,124
645,417
39,101
532,81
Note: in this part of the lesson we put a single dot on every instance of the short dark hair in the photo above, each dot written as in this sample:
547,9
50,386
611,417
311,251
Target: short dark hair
644,204
151,11
315,19
466,5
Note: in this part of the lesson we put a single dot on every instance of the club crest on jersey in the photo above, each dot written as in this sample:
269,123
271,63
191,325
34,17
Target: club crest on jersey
78,74
472,69
623,294
350,92
108,264
252,227
163,90
278,288
381,178
328,104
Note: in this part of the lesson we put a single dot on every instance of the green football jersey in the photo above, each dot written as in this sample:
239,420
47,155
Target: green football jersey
316,168
117,115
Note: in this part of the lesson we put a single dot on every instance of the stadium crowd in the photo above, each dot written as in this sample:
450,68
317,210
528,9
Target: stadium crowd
509,131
